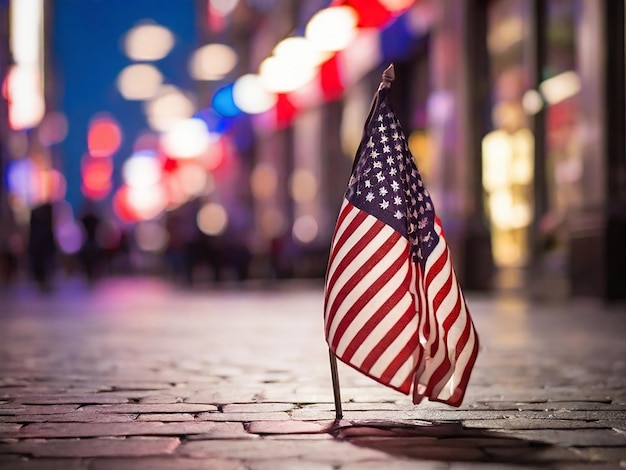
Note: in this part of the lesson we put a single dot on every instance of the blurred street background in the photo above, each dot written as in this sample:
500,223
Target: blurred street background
210,141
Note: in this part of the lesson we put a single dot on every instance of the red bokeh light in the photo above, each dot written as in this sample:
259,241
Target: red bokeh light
104,137
96,174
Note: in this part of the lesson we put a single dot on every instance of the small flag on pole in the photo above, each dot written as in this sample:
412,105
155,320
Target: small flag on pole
393,307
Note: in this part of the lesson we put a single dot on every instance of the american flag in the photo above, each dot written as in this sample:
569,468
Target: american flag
394,309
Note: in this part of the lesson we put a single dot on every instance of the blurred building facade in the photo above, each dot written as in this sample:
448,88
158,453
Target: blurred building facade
514,109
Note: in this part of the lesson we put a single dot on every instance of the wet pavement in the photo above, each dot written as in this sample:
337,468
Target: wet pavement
136,374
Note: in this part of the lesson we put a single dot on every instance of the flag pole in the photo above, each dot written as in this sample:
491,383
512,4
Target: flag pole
336,391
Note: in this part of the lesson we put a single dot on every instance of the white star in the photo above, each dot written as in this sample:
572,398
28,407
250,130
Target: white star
395,136
378,164
390,160
395,185
374,154
380,117
398,215
393,125
393,172
384,204
370,143
382,128
397,200
369,197
384,138
368,184
398,148
380,176
386,149
382,191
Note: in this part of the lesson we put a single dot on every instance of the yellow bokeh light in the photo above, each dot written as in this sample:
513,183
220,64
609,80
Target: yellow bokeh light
139,82
212,219
264,181
147,42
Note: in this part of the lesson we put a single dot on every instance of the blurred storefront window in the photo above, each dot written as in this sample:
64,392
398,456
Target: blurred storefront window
560,89
508,150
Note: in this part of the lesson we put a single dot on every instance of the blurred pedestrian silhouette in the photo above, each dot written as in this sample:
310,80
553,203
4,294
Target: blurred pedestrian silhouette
42,245
90,254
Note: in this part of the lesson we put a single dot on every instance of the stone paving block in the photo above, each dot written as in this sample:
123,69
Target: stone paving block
243,417
257,407
288,464
58,430
227,395
556,406
88,399
77,417
603,454
296,437
9,428
151,408
165,463
323,451
532,454
87,448
24,463
525,423
287,427
420,448
570,437
17,409
164,417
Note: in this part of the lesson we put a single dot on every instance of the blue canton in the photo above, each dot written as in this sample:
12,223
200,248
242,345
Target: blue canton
387,184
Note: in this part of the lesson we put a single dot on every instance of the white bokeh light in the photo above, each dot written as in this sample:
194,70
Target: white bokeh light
332,29
251,96
212,62
188,138
148,42
139,82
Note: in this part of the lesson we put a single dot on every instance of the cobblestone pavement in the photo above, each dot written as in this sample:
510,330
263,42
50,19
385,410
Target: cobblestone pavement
138,375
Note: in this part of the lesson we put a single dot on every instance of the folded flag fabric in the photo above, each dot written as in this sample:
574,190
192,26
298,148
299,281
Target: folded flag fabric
393,308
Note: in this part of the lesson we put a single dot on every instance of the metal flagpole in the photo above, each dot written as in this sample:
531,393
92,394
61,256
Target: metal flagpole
336,392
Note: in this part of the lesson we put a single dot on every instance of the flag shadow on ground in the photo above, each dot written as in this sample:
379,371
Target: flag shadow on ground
448,442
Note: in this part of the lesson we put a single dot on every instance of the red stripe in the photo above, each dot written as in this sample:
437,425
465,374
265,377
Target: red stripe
375,317
401,358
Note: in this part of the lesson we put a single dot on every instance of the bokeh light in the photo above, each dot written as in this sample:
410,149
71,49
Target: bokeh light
305,229
147,42
223,7
223,102
272,223
212,219
53,128
263,181
193,179
212,62
142,169
188,138
168,107
281,75
96,177
132,204
251,96
303,186
104,136
332,29
139,82
69,236
151,236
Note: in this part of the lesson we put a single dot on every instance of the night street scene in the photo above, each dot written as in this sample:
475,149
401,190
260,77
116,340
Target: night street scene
317,235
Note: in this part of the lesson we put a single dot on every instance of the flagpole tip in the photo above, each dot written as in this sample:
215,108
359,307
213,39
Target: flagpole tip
388,76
